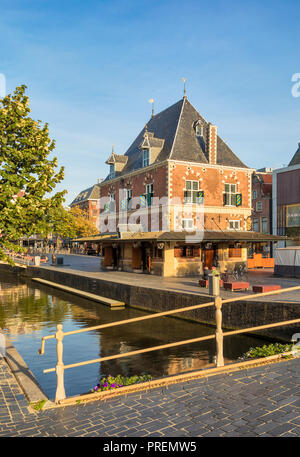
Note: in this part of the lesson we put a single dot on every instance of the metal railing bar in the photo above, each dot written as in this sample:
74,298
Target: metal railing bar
178,343
140,351
141,318
261,294
261,327
174,311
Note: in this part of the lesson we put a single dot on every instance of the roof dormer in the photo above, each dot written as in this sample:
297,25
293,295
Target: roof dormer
116,163
150,147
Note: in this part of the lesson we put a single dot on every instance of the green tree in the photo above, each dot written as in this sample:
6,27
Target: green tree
81,223
72,223
27,175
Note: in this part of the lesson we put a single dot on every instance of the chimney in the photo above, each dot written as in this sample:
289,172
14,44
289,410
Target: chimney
211,143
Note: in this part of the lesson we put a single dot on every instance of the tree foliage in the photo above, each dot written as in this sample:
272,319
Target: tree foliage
73,223
27,175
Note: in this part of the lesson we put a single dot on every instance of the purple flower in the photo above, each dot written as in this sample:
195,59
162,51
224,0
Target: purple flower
120,385
96,387
105,384
113,385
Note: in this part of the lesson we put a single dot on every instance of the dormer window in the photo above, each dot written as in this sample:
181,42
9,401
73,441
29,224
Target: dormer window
111,170
199,130
116,163
146,157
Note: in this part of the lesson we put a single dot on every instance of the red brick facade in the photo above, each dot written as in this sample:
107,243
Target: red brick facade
262,202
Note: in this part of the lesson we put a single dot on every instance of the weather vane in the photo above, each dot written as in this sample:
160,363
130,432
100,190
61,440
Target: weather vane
184,91
152,101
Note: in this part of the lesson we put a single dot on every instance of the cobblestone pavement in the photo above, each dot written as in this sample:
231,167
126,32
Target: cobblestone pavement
262,401
90,266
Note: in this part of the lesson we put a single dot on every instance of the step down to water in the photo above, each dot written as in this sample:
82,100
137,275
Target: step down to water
105,301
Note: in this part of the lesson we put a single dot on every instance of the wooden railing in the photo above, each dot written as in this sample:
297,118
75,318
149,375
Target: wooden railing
218,336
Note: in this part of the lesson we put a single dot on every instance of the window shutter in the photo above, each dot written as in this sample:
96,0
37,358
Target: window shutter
200,197
149,199
143,201
238,199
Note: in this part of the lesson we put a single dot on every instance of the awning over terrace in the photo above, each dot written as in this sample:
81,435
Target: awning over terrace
208,236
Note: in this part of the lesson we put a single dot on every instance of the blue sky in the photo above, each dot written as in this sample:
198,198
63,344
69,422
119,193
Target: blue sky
92,66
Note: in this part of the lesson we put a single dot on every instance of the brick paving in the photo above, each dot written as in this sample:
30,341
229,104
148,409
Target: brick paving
261,401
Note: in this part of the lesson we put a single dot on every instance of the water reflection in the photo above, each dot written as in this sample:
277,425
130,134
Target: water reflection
29,311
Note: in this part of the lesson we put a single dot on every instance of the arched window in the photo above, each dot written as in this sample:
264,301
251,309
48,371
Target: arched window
199,130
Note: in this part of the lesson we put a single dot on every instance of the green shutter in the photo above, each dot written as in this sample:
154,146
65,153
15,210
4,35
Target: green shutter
200,197
149,199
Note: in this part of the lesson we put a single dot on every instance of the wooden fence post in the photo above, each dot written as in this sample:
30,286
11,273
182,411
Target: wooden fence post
60,390
219,333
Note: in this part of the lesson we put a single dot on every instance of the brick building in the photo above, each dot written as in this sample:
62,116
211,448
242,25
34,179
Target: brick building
88,201
286,201
177,201
262,209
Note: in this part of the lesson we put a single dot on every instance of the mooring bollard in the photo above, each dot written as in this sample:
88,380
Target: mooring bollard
219,333
60,390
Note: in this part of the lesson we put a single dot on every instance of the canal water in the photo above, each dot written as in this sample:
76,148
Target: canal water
29,311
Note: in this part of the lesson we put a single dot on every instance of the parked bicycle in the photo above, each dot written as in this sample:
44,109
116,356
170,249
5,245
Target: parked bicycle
239,273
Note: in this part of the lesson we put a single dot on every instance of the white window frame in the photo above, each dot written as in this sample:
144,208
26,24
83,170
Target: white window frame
230,193
199,130
264,220
190,224
112,202
146,157
192,190
234,224
259,206
255,221
149,187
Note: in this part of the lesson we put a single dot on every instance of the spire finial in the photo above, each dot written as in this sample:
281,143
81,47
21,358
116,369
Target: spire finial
184,90
152,101
113,149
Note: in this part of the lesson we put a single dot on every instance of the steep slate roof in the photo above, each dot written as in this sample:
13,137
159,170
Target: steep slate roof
175,126
92,193
296,159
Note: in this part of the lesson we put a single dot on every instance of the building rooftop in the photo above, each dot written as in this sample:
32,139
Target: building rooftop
208,235
296,158
88,194
174,131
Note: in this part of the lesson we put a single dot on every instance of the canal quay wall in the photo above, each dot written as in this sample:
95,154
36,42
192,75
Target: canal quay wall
236,315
